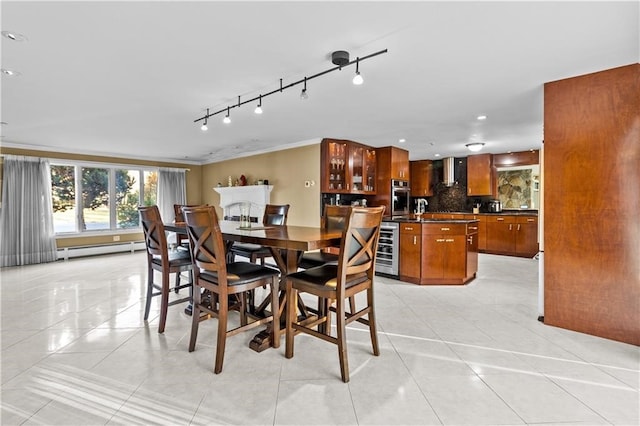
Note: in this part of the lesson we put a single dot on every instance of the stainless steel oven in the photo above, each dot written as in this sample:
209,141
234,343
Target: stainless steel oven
400,197
388,243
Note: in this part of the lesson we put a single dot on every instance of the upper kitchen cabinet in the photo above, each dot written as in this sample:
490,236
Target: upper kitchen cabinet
347,167
481,175
393,163
420,172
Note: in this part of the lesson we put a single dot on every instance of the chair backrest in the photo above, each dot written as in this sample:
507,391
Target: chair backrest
205,240
275,214
177,210
154,236
359,243
335,217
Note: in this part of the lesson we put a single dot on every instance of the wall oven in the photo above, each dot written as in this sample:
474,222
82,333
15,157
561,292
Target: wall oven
387,254
400,198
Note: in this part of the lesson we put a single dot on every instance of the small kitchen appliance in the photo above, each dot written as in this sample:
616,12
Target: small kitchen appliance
495,206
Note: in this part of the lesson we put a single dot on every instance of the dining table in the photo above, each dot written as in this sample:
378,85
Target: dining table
286,243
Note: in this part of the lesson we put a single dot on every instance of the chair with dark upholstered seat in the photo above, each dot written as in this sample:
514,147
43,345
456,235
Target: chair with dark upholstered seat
215,280
274,215
333,218
160,258
354,273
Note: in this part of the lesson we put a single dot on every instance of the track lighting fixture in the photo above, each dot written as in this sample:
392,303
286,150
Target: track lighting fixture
357,79
303,94
475,146
339,58
204,127
258,109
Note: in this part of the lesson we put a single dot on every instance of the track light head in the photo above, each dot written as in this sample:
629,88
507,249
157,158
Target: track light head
357,79
258,109
227,119
204,127
303,94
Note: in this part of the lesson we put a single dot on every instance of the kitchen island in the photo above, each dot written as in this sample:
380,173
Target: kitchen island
438,251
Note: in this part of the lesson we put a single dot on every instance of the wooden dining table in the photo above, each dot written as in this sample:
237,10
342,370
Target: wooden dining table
286,244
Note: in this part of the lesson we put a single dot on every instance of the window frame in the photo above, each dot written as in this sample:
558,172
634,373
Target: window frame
113,214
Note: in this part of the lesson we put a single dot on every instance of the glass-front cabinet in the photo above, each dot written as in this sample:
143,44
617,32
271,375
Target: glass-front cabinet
347,167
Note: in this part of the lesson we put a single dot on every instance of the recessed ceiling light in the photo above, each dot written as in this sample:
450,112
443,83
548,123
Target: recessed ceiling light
402,140
437,155
10,73
482,117
13,36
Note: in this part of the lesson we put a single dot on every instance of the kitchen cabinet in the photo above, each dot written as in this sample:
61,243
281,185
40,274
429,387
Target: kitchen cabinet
438,251
443,243
420,172
481,229
410,251
347,167
512,235
481,175
393,163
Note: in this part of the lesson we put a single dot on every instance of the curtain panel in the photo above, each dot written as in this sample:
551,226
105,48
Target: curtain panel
26,216
172,189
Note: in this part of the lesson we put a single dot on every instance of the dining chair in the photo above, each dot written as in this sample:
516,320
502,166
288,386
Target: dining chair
163,260
333,218
354,273
215,281
181,239
274,215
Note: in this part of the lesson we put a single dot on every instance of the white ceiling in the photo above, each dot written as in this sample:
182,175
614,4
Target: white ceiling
128,79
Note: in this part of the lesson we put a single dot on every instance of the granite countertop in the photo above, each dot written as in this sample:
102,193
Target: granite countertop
406,219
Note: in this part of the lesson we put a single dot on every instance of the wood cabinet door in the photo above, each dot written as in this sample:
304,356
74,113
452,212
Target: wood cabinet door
454,264
527,236
420,172
410,254
501,235
399,164
480,175
434,255
334,164
472,254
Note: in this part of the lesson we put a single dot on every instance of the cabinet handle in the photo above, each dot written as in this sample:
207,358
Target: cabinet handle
449,240
531,220
473,227
510,227
415,240
347,187
408,228
470,239
440,240
445,229
518,227
500,219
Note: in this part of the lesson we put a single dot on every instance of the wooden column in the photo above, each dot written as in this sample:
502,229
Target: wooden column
592,203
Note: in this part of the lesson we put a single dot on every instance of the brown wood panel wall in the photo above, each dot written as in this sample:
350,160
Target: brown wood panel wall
592,204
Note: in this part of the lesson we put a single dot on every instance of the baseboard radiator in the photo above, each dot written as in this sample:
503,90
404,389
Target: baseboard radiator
79,251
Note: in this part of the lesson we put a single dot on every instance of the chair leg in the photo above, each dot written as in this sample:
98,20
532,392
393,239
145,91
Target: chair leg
373,330
342,340
164,300
195,318
223,303
352,304
147,307
243,307
275,311
291,318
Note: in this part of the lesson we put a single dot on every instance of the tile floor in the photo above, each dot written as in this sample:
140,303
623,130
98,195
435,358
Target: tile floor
75,351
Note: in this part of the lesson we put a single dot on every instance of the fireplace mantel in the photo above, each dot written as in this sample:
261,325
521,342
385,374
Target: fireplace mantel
231,196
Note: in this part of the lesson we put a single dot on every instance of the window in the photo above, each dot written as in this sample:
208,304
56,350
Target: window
87,198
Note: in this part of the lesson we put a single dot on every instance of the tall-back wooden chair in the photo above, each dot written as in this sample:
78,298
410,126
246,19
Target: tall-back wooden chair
161,259
354,273
215,280
274,215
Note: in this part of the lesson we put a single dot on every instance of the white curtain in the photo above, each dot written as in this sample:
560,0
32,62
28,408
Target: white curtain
172,189
26,216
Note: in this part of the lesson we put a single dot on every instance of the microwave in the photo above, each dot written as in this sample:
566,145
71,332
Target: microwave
400,197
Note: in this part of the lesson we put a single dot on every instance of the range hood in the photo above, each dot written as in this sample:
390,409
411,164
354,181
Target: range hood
448,168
